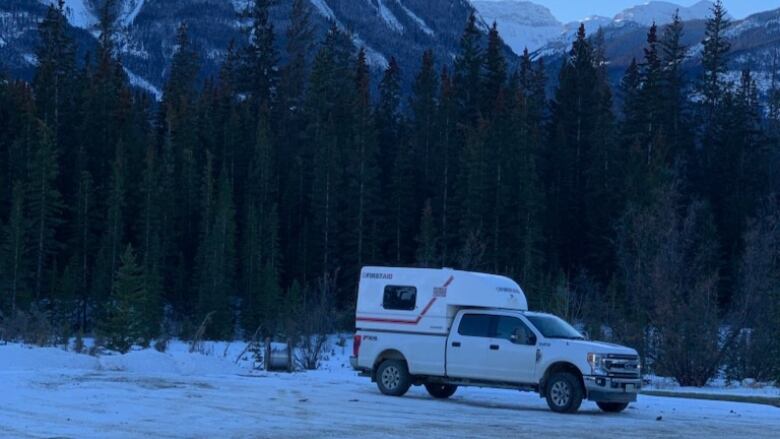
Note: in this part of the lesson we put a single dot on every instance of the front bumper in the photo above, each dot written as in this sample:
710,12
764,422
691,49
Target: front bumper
609,389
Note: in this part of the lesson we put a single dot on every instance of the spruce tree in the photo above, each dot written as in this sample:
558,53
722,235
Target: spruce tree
674,110
122,324
44,206
582,162
15,267
495,74
716,47
216,254
83,241
56,69
364,176
427,254
468,72
259,63
423,103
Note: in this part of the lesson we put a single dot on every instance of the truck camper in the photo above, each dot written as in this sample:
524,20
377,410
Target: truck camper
445,328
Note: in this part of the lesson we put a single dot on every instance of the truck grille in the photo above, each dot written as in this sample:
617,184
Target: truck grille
622,366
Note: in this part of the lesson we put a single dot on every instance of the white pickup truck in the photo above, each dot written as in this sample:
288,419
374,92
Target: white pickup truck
444,328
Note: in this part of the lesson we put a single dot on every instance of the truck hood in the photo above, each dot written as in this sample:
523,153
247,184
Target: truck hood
599,347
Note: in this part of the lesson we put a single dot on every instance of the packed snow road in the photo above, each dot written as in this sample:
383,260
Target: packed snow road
148,394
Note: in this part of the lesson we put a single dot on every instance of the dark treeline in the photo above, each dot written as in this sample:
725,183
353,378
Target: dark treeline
647,213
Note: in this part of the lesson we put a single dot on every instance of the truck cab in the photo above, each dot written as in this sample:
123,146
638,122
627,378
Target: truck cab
488,346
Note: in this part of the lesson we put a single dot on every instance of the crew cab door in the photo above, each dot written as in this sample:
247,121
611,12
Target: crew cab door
515,359
468,345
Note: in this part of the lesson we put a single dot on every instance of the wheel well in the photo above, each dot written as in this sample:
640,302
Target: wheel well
561,366
390,354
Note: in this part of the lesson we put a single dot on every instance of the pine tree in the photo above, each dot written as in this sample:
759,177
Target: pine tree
14,268
330,127
56,69
716,48
184,71
423,103
115,224
300,35
468,71
674,107
122,325
44,206
427,254
216,254
292,140
363,178
582,163
495,75
152,247
447,165
398,182
83,241
650,97
259,61
260,234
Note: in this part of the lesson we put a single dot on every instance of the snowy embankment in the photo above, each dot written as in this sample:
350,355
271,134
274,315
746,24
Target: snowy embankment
716,387
48,392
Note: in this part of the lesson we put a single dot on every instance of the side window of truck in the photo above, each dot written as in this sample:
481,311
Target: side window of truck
514,330
475,325
402,298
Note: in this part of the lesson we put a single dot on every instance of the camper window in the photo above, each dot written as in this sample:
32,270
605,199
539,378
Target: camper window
403,298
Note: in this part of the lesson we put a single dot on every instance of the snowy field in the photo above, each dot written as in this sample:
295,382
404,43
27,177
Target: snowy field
46,393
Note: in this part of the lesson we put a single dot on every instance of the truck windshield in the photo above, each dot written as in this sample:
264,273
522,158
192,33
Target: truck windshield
553,327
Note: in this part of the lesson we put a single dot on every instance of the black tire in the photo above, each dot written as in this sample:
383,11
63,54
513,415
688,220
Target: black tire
441,391
564,393
612,407
392,378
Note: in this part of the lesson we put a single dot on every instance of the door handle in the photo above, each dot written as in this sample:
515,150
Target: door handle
494,347
456,344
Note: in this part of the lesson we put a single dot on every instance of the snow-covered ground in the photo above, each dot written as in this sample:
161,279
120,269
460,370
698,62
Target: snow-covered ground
716,387
47,392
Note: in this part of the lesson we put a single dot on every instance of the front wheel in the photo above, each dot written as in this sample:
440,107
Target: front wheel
612,407
441,391
564,393
392,378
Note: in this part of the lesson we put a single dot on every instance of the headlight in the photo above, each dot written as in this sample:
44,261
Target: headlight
596,362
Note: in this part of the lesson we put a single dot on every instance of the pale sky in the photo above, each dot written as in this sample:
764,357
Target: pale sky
572,10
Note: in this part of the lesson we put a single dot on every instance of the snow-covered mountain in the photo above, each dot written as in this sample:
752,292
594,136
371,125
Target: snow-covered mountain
522,24
662,12
385,28
525,24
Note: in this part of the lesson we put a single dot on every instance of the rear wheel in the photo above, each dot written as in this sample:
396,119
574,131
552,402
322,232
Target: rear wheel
612,407
392,377
441,391
564,393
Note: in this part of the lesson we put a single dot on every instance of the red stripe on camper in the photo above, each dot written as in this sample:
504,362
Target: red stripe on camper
405,322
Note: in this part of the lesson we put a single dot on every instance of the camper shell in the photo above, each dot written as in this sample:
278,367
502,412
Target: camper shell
424,300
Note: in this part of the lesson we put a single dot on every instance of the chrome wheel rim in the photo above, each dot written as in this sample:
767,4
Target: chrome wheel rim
391,377
560,393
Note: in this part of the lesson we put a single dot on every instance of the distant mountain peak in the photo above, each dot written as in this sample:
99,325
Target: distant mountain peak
522,24
521,12
662,12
